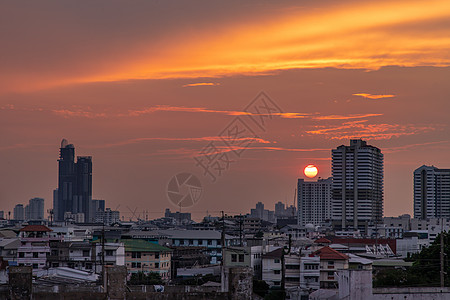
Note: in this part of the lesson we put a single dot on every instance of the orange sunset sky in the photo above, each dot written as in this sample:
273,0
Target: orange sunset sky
144,86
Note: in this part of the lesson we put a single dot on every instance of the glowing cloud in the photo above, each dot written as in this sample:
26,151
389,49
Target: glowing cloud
370,96
364,35
202,84
361,129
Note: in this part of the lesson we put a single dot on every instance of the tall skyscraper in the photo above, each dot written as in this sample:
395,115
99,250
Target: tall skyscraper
314,201
357,191
431,192
97,205
19,212
35,209
74,193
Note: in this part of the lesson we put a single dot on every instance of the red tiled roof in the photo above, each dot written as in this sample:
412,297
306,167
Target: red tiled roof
330,254
36,228
322,241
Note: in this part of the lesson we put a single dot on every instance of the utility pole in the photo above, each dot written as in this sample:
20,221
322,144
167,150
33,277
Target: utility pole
240,230
222,277
103,255
283,267
442,253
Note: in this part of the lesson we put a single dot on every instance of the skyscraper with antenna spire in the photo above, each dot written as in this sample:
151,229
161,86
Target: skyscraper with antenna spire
74,193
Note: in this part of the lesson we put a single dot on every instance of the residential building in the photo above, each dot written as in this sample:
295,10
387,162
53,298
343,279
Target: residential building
256,253
356,262
330,262
292,270
431,192
19,212
309,273
84,255
107,216
282,212
261,213
431,226
187,257
74,193
77,218
314,201
34,247
97,205
357,189
35,209
8,249
295,231
114,254
272,267
179,217
237,257
209,239
403,221
144,256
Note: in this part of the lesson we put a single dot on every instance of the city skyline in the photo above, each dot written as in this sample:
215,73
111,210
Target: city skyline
145,87
306,181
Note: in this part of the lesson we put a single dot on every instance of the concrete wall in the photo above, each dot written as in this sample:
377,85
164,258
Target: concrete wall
131,296
240,283
423,293
20,282
355,284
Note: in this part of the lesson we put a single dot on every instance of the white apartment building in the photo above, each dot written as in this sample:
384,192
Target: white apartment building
272,267
314,201
431,192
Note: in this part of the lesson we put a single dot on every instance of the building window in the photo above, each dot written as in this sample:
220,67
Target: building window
35,266
209,242
35,255
109,252
276,260
136,265
241,257
191,242
85,252
136,254
233,257
276,271
156,255
21,255
293,279
157,265
181,242
292,267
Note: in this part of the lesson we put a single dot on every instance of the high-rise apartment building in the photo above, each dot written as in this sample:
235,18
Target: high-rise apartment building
314,201
431,193
19,212
357,190
107,216
35,209
97,205
74,193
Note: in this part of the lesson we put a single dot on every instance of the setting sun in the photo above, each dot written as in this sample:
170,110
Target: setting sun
310,171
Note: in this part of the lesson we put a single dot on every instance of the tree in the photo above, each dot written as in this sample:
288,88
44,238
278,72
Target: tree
151,278
425,270
260,287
